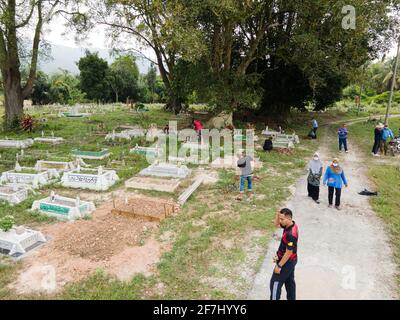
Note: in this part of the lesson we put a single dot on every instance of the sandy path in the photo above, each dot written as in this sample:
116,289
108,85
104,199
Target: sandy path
342,254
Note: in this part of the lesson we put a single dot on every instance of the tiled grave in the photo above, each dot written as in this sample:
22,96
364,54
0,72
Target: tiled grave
64,207
94,179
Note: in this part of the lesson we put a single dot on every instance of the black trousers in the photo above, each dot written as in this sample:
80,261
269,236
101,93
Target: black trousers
286,277
313,191
331,190
315,132
376,146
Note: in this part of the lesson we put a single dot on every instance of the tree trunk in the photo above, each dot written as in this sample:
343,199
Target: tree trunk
13,99
174,105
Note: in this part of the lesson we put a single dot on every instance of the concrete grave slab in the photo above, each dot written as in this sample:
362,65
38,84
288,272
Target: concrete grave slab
166,170
19,240
13,194
150,183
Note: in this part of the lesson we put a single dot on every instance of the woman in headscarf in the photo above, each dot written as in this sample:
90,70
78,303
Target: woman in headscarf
378,132
314,177
334,177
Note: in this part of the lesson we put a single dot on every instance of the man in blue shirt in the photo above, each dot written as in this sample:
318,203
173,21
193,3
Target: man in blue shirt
386,134
342,133
315,127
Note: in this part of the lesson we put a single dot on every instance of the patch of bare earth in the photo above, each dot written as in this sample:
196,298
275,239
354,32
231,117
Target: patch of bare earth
116,244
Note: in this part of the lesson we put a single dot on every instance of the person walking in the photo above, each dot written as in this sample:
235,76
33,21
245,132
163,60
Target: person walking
286,257
377,139
342,133
334,177
386,134
246,174
315,168
315,127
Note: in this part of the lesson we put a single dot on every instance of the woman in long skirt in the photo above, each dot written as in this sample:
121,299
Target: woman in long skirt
314,177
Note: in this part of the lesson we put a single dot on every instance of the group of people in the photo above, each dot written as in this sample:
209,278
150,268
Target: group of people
382,136
286,257
334,178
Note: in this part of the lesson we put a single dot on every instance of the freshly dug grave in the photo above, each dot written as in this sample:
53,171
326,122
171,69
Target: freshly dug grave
119,245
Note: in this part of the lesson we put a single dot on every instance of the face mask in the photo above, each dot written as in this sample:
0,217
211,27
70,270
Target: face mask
335,164
316,158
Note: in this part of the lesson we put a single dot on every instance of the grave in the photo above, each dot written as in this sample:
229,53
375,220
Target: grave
63,207
29,176
290,137
166,170
230,162
93,179
52,139
13,193
241,137
19,240
190,159
60,166
18,144
150,183
282,143
119,135
269,133
146,151
146,208
98,155
154,132
196,146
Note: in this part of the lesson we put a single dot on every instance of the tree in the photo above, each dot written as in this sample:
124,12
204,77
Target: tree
93,81
123,77
151,79
41,89
65,89
159,25
16,18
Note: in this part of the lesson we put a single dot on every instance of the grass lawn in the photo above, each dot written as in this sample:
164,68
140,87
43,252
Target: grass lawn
217,243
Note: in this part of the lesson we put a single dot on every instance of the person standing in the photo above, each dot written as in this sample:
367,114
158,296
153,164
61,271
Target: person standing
315,168
315,127
377,139
342,133
334,177
286,257
386,134
198,127
246,174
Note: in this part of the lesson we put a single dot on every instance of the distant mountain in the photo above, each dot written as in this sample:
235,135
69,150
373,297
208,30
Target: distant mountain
67,57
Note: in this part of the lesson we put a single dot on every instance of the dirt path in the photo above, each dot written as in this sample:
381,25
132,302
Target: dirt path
342,254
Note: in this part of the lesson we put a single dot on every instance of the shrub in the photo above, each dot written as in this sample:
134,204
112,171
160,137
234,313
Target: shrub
6,223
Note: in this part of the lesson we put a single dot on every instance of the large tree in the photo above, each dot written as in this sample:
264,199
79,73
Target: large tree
122,77
93,76
16,18
157,25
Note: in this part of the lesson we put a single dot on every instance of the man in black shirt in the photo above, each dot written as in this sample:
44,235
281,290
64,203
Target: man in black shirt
286,257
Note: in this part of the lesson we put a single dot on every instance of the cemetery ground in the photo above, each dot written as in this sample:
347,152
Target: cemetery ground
211,249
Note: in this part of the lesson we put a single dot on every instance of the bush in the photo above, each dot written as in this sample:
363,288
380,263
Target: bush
6,223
